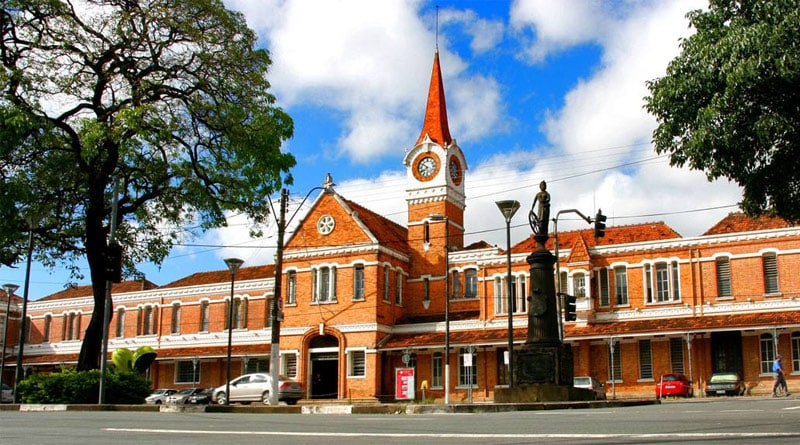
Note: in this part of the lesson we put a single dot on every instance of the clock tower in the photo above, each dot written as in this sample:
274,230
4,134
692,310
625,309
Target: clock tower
435,196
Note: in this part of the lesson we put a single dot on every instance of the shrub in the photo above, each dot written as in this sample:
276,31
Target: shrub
70,386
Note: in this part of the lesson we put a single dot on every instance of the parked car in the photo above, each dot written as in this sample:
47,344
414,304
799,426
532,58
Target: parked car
180,397
7,395
201,398
590,383
725,383
256,388
159,396
674,384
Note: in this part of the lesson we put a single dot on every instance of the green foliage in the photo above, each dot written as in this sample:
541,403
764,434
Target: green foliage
730,102
82,387
138,361
168,96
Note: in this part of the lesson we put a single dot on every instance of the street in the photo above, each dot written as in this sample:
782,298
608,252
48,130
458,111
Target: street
708,421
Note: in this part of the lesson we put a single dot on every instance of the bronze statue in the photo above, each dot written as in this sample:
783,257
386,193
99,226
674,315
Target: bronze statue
539,219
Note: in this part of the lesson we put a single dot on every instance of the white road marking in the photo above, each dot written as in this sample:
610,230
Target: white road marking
460,435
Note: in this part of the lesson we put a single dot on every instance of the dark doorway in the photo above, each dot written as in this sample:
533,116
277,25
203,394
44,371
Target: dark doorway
726,352
325,376
324,355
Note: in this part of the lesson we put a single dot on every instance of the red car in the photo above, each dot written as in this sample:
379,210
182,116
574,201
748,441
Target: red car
674,384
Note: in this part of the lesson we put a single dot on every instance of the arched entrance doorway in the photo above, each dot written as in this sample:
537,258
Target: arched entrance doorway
323,354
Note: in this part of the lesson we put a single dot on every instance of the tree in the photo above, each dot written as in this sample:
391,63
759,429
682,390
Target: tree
169,97
730,102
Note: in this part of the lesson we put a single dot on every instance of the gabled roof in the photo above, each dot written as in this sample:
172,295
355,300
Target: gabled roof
579,253
86,290
223,275
387,232
435,125
738,222
635,233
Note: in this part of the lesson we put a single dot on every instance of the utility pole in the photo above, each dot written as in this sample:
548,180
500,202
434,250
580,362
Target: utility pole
274,315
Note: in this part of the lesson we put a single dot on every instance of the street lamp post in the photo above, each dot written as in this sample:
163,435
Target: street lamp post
508,208
10,289
439,217
233,266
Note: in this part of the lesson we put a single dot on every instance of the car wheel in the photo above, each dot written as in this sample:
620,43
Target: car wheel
265,398
158,402
291,401
221,398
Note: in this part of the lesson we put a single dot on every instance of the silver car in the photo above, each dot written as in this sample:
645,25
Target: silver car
7,394
256,388
159,396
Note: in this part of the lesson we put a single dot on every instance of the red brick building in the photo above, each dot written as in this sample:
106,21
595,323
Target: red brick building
363,296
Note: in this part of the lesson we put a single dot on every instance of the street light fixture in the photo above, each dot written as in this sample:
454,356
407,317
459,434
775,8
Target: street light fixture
440,217
508,208
233,266
10,289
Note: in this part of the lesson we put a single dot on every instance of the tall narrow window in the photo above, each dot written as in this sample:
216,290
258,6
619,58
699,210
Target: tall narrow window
204,315
387,273
796,350
621,285
563,279
676,354
676,281
471,283
358,282
770,266
602,276
767,346
26,331
521,297
291,287
120,332
147,320
437,363
648,283
645,360
455,285
502,367
324,285
500,301
579,284
426,290
398,287
662,282
240,313
48,319
426,233
175,321
723,277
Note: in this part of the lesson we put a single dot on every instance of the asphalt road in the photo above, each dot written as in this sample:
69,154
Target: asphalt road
707,421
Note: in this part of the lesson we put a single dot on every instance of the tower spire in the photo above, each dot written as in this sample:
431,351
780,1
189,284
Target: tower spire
435,125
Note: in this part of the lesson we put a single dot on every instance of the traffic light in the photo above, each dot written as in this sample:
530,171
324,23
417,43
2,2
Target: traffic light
569,308
599,224
114,263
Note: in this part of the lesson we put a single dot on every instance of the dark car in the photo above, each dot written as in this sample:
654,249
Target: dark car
201,398
674,384
725,383
182,396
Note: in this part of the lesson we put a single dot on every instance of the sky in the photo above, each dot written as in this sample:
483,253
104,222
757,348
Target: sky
535,89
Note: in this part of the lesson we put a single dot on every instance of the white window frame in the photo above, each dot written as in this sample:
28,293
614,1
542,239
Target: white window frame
356,363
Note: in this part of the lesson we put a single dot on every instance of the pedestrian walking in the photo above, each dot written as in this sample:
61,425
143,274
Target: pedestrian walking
780,377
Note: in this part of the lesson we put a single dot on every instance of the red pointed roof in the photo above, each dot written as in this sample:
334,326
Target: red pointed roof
739,222
388,232
435,124
86,290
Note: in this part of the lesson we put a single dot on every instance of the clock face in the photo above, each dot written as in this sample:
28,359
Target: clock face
325,224
426,167
455,170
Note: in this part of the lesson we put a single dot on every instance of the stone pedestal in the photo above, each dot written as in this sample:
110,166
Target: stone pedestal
537,363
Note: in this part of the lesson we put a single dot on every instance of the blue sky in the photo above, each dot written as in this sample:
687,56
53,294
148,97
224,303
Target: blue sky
536,90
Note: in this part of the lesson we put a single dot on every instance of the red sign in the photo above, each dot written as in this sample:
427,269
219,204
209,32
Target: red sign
404,383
